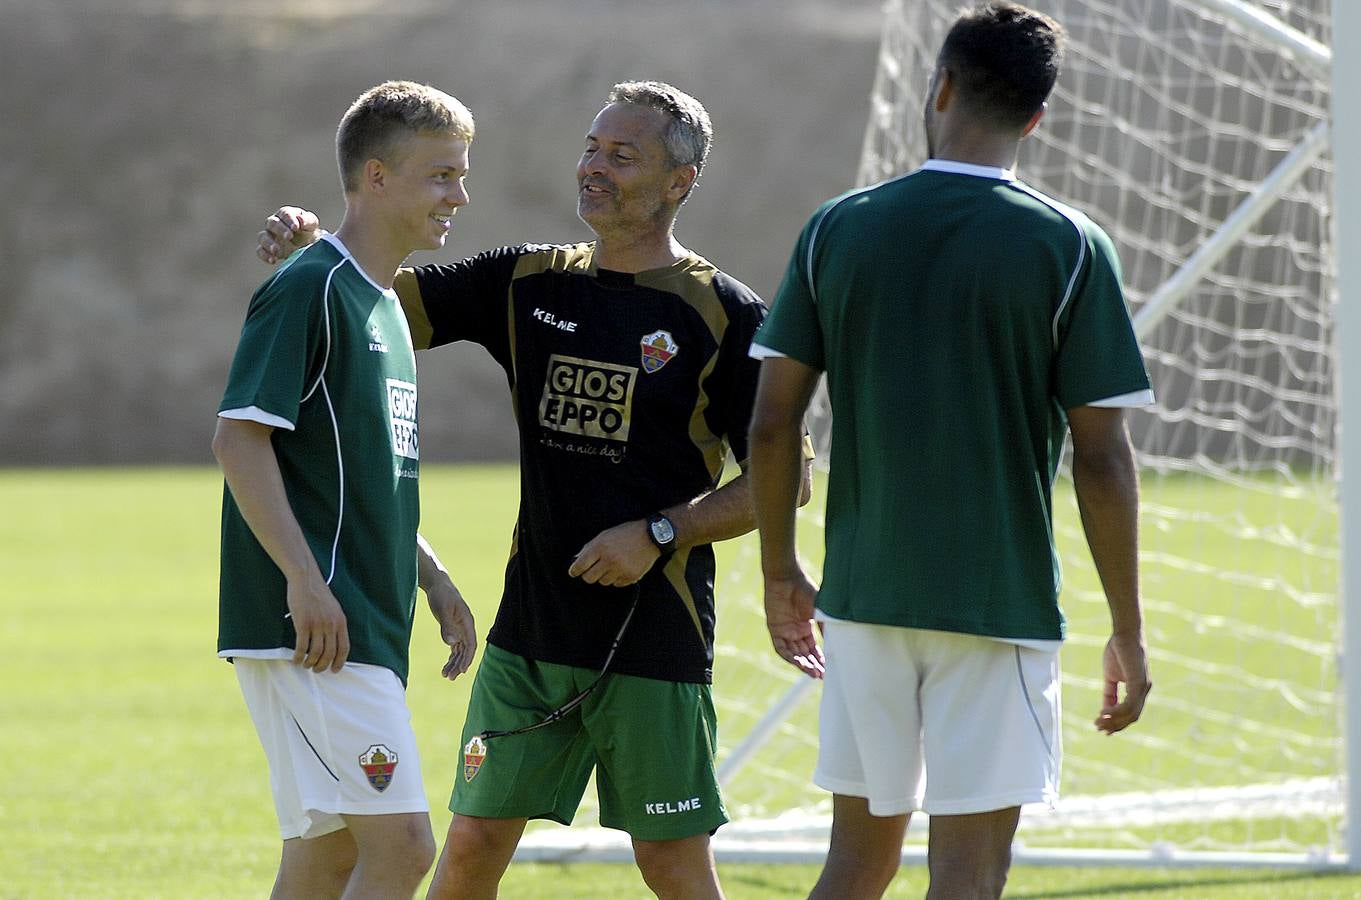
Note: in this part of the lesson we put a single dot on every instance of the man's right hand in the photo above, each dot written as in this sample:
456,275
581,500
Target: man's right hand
290,228
789,602
323,635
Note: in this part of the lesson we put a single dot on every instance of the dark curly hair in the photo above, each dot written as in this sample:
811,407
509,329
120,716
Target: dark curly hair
1004,59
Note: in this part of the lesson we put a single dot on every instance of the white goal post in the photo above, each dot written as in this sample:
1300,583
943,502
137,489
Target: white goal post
1346,112
1201,135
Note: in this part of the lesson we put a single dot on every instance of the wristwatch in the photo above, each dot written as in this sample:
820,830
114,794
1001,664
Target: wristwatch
662,532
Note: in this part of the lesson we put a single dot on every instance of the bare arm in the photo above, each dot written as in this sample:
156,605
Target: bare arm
1107,488
246,455
457,628
776,437
621,555
290,228
716,515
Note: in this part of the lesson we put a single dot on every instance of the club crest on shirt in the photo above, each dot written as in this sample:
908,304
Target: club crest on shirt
474,754
658,348
378,763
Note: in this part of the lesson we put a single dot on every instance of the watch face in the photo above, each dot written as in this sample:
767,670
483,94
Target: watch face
662,532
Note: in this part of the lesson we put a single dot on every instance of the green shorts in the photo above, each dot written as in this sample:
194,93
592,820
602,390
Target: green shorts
650,742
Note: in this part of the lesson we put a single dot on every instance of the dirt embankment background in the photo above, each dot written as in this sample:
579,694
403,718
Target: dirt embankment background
143,141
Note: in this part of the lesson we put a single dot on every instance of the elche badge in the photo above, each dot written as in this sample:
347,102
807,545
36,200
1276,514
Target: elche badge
378,763
658,348
474,754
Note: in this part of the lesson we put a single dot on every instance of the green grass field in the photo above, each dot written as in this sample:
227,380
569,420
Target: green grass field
132,770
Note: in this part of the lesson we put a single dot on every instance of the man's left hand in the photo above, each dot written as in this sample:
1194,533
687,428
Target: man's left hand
617,557
456,626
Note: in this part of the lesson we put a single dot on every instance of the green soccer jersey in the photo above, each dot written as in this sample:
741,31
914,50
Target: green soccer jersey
325,356
957,314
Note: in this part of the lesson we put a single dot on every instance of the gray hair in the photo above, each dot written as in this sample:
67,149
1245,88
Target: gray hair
688,135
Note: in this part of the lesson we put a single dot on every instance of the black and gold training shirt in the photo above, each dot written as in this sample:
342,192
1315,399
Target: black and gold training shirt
629,389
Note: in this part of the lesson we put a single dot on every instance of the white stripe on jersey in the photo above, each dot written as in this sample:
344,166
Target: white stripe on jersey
817,226
1081,254
330,409
340,471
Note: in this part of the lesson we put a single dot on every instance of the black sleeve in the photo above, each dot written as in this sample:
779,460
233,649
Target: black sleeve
732,385
470,300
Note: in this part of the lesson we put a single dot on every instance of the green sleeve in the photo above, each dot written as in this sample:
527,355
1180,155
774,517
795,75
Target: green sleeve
1096,353
793,327
280,355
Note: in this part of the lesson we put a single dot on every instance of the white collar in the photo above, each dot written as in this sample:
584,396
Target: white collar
962,168
344,251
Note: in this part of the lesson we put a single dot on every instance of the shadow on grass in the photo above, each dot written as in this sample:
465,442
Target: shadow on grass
752,881
1180,882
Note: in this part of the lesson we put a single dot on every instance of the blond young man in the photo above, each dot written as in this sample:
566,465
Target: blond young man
317,437
628,359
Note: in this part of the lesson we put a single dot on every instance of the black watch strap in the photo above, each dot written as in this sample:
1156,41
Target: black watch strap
662,532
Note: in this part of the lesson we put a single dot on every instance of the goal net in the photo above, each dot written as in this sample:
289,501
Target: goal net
1195,133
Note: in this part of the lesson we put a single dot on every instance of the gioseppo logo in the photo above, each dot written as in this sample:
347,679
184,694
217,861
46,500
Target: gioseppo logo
581,396
402,415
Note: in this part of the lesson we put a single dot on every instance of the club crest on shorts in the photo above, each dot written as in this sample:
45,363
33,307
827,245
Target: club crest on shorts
658,348
378,763
474,754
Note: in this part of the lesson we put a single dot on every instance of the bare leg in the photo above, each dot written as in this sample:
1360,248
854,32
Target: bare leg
395,852
315,867
682,869
476,853
864,853
969,856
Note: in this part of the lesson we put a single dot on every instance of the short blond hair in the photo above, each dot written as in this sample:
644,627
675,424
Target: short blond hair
389,113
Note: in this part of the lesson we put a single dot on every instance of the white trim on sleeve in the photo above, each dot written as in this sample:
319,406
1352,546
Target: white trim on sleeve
1127,401
256,414
761,351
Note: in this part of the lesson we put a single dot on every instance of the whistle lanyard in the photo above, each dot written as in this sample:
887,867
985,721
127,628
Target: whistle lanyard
580,698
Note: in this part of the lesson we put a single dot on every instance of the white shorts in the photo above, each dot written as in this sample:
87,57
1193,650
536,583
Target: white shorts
971,719
337,743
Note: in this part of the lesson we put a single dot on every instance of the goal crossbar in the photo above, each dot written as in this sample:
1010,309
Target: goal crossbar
1290,41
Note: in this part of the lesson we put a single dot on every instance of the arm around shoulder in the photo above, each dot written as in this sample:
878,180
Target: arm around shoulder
290,228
